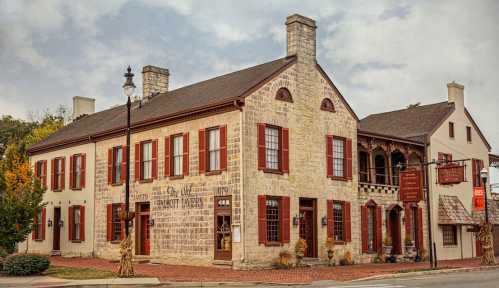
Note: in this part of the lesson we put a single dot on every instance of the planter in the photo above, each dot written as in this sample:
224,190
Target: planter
330,256
387,250
410,250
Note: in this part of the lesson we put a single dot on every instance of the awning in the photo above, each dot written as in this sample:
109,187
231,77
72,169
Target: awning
479,216
452,211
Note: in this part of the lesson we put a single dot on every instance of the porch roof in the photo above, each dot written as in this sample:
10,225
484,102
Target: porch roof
452,211
478,216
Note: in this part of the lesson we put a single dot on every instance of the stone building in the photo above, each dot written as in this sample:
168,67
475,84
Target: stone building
231,170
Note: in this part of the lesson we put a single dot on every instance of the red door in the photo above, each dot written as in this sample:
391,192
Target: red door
144,233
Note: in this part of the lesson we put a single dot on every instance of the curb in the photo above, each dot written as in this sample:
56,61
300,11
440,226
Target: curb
232,284
421,273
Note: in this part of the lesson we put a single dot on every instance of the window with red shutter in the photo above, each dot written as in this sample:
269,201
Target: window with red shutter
273,148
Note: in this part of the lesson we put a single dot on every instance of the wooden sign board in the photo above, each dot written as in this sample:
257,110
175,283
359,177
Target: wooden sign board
478,199
450,174
411,186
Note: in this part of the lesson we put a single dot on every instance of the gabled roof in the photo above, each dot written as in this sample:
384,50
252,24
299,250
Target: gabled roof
412,123
200,96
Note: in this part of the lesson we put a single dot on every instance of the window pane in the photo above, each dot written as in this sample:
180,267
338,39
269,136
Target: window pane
77,171
338,221
272,147
116,234
77,221
177,155
118,156
146,160
370,229
214,149
273,225
338,157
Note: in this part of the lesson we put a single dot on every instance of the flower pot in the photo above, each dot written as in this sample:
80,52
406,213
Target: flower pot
387,250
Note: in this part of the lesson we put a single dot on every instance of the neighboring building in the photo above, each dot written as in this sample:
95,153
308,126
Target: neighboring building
451,137
231,170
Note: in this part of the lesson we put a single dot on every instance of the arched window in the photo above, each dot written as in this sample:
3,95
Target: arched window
327,105
283,94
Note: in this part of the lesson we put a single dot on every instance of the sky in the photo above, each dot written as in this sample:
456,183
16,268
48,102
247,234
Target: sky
382,55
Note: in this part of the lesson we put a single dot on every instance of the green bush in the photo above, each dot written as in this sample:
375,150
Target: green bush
25,264
3,252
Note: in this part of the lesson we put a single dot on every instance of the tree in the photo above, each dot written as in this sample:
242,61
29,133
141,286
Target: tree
12,131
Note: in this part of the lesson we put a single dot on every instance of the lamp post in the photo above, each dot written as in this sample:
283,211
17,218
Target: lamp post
484,174
485,233
126,268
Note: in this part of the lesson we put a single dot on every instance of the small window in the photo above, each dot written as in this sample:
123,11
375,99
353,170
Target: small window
272,147
339,157
116,222
468,133
327,105
38,226
76,223
117,162
146,165
338,220
449,233
58,169
283,94
77,159
213,139
451,129
39,169
273,219
371,228
177,154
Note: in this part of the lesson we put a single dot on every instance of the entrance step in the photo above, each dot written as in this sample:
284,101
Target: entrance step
226,263
310,262
55,253
140,259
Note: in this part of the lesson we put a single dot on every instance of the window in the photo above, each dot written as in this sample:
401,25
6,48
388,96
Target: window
177,151
146,161
477,166
76,223
116,222
39,169
283,94
451,129
363,167
117,162
449,234
272,147
58,173
371,228
339,157
76,173
468,133
338,221
327,105
38,225
213,149
273,220
445,158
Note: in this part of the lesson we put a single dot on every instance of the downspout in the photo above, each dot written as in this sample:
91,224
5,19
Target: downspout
93,195
428,202
242,217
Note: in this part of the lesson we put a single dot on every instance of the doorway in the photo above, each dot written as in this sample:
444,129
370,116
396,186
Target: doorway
223,222
308,224
143,246
56,242
393,229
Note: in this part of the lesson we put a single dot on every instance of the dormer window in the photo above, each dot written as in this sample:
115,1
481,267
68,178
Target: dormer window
327,105
283,94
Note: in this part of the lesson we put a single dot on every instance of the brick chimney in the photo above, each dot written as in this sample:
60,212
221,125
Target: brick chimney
154,80
456,94
82,106
301,40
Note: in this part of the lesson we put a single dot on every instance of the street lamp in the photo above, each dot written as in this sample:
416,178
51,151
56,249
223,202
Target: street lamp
484,174
126,268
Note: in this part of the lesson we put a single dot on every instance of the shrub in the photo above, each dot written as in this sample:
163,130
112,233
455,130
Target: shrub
25,264
3,252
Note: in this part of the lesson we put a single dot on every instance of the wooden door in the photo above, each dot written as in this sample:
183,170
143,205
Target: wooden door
56,245
144,234
223,231
394,224
307,230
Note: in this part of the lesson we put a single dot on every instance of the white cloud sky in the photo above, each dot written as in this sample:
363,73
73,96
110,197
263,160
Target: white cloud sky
382,55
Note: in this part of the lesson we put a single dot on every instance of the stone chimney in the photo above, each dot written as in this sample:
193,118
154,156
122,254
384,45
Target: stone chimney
456,94
154,80
82,106
301,40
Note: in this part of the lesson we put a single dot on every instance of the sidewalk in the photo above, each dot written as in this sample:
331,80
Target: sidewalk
180,273
46,281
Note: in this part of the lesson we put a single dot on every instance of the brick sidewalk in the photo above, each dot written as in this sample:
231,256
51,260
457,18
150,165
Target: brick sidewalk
180,273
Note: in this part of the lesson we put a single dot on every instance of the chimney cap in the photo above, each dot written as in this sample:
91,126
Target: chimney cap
300,19
155,69
453,84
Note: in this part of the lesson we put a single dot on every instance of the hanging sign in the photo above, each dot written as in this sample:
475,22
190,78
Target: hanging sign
411,186
450,174
478,199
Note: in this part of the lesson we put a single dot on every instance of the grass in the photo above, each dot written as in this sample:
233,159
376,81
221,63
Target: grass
78,273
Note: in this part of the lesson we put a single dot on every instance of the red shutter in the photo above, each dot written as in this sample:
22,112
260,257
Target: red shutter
480,170
262,220
262,162
122,234
379,232
123,163
348,221
364,228
202,151
166,171
473,171
44,218
329,155
71,172
285,219
109,231
110,166
185,160
348,159
330,222
82,223
36,170
52,174
71,223
407,219
285,150
223,147
34,227
44,175
83,168
155,159
137,162
63,173
420,228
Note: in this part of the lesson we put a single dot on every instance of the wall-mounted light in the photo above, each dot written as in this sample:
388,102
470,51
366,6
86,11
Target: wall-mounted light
151,222
49,223
61,223
324,221
296,220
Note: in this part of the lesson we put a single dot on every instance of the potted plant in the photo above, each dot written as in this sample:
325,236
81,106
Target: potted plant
330,251
347,259
387,245
410,248
284,258
300,247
